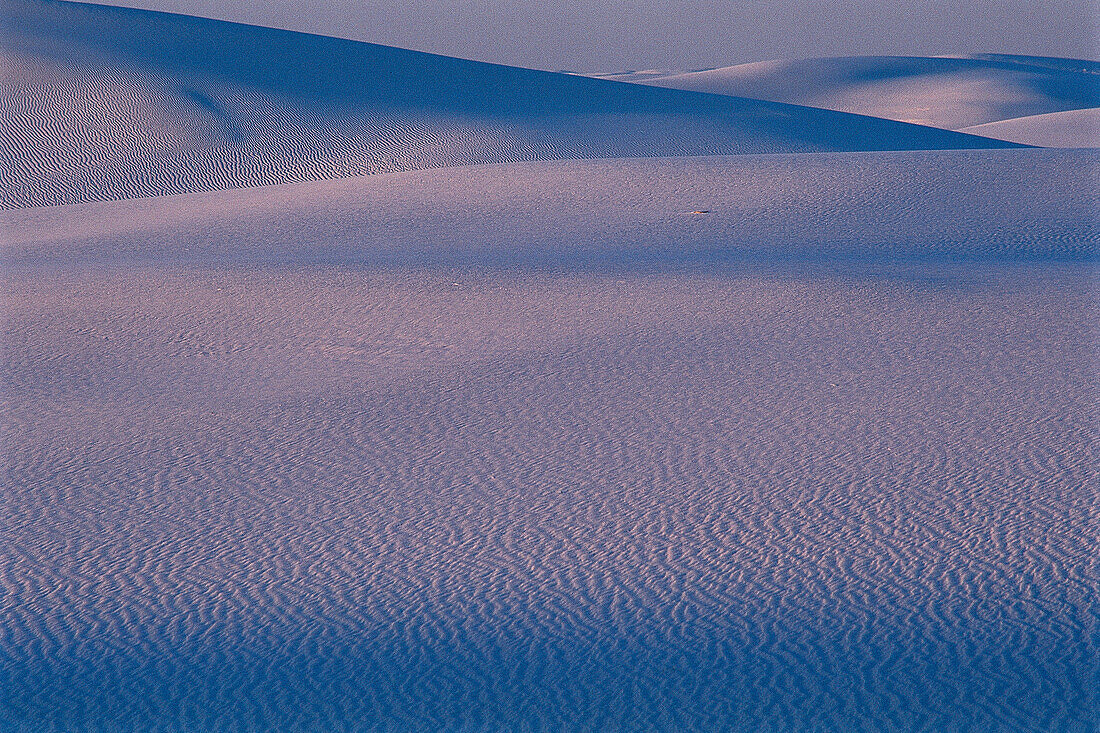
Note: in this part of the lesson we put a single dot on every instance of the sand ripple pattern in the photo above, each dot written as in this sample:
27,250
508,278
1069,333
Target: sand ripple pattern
336,500
79,136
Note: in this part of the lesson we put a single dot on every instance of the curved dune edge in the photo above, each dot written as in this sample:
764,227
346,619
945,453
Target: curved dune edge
947,92
734,211
93,111
1079,128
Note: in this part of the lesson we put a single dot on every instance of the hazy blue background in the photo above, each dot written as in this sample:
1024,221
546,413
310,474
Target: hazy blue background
616,35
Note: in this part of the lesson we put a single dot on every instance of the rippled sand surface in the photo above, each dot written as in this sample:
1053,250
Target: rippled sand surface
328,499
798,439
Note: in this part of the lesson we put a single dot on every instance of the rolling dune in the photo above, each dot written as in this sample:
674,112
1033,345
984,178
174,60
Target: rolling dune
1076,128
946,92
94,111
874,210
533,446
361,500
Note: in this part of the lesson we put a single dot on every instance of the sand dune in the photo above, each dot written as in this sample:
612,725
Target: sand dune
1077,128
951,93
306,426
93,110
364,500
851,208
532,446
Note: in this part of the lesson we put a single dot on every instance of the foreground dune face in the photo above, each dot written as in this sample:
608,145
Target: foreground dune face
536,446
418,501
94,111
951,93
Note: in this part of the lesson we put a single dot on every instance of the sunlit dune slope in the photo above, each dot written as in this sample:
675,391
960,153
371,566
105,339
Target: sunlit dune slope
951,93
535,446
110,103
1075,128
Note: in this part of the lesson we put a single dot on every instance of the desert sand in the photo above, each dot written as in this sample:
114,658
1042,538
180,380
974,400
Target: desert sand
1075,128
94,112
948,92
340,406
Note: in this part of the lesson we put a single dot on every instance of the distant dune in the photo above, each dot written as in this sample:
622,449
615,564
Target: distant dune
1075,128
109,103
951,93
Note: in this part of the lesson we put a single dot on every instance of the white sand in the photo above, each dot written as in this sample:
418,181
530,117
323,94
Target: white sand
951,93
800,441
1078,128
94,111
857,209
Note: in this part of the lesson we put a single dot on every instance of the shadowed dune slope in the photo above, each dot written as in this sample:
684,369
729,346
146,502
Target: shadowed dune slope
794,210
951,93
110,103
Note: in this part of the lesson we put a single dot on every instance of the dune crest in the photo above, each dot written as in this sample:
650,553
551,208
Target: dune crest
730,213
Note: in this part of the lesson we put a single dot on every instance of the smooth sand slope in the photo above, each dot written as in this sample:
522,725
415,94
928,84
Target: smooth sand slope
531,446
951,93
111,103
1077,128
877,210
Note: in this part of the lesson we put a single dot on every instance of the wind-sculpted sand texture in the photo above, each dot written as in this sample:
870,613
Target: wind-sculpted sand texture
95,109
537,447
797,441
323,499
